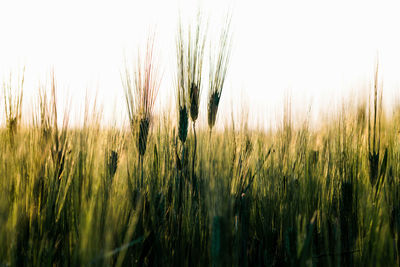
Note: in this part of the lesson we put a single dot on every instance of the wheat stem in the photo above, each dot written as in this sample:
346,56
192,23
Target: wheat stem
194,156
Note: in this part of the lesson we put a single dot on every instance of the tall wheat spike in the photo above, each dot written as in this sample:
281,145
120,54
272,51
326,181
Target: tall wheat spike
181,84
141,89
376,170
218,69
13,104
190,58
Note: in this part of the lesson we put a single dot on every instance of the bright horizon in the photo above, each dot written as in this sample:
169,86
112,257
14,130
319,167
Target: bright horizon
319,52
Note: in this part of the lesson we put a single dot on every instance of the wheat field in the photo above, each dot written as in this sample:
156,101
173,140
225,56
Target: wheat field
165,191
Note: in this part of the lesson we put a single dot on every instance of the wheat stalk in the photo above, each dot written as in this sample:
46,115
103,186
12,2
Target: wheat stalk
141,89
218,70
190,52
13,104
180,86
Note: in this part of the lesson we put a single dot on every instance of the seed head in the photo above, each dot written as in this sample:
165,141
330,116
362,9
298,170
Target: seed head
213,108
112,163
143,134
141,88
194,101
183,124
218,69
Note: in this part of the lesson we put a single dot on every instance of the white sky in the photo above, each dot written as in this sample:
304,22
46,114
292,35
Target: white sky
317,50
